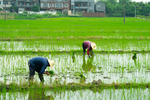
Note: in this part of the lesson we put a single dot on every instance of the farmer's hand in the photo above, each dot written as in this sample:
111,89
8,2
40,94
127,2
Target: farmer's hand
46,72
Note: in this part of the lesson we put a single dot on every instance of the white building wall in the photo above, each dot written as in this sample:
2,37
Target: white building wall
2,5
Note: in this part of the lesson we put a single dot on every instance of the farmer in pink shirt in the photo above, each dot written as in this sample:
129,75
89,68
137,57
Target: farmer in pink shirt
89,46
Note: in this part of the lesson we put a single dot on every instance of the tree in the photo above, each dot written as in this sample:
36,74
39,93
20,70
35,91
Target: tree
1,9
111,1
36,8
13,9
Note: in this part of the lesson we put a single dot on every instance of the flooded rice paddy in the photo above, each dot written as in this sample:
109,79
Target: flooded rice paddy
106,94
102,45
110,68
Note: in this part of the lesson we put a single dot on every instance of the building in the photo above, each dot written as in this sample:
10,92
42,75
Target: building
55,5
88,7
26,5
82,6
100,7
8,4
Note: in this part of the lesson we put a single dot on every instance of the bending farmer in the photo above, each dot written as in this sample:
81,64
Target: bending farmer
89,46
39,64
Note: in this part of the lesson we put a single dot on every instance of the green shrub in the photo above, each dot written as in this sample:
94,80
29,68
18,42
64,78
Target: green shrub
1,9
55,15
38,16
13,8
58,12
36,8
80,14
25,13
46,15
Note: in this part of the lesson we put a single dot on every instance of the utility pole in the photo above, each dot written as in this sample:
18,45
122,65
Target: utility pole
5,11
124,10
135,11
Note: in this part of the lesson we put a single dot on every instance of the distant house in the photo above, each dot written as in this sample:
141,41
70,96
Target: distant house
26,5
99,10
8,4
55,5
88,7
82,6
100,7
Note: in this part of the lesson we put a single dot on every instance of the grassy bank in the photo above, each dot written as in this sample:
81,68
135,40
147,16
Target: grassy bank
74,86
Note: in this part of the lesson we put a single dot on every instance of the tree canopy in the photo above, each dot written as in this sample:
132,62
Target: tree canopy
13,9
36,8
114,8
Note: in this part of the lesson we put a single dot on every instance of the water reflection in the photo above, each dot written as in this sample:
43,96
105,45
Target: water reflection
39,95
134,57
84,94
88,66
73,57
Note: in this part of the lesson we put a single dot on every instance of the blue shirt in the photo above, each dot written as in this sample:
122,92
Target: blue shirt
39,64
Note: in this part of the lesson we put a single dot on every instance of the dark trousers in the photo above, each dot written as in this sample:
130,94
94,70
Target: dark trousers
32,73
83,48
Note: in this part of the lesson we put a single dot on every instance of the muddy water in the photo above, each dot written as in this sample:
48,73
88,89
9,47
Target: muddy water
118,68
71,45
106,94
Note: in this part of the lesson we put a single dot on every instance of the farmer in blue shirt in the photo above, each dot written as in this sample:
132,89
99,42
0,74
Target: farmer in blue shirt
39,64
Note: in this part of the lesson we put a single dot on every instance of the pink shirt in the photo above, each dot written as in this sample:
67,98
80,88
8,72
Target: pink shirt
87,44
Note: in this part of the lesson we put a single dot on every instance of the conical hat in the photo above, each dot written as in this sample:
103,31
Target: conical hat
51,63
93,45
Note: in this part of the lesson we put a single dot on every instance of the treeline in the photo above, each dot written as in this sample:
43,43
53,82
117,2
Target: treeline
114,8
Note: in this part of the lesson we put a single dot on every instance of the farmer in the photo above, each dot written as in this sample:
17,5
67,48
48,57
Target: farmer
39,64
89,46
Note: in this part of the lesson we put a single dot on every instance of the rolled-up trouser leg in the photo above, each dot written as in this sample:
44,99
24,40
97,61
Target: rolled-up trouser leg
31,78
41,77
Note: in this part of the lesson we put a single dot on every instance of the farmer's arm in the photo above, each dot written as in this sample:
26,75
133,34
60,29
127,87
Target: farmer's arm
42,71
88,51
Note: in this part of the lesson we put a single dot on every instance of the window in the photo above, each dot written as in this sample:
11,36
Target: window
4,2
35,4
91,4
98,5
66,0
0,2
44,0
21,3
58,5
45,5
84,5
58,0
65,5
28,4
52,5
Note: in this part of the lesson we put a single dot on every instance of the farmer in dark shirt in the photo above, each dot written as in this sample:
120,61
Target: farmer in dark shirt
89,46
39,64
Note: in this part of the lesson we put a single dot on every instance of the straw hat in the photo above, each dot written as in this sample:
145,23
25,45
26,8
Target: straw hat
51,63
93,45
